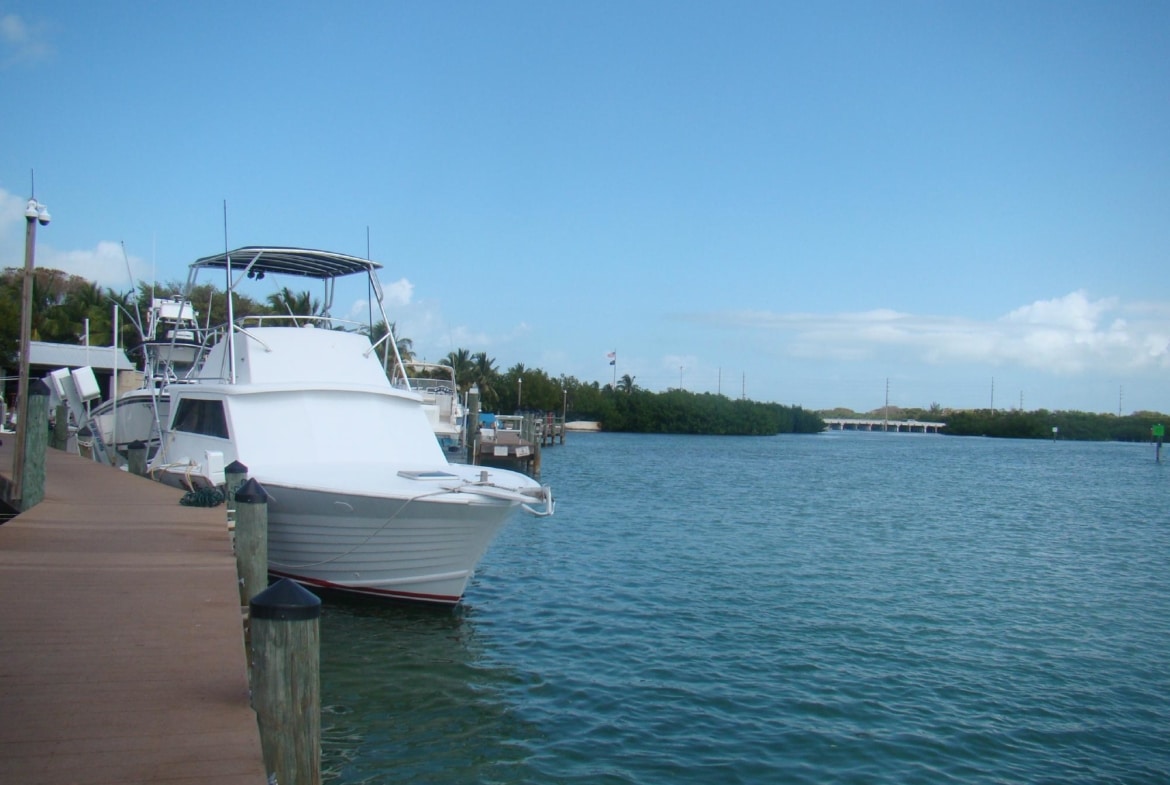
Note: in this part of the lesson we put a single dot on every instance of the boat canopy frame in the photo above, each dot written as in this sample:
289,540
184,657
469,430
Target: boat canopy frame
255,262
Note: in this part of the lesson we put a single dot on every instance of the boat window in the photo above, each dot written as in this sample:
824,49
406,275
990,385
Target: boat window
202,417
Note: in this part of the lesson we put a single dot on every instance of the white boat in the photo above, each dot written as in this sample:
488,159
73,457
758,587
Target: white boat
361,496
172,343
440,398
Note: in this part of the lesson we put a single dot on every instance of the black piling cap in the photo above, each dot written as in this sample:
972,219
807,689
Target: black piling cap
235,467
38,387
286,600
252,492
137,444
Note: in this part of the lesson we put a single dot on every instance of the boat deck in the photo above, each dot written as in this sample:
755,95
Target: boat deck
121,646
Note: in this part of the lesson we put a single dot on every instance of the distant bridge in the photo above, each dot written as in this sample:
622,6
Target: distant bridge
899,426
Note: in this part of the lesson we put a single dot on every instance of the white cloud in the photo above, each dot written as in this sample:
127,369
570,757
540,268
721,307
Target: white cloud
1069,334
21,44
11,216
105,264
398,293
1072,312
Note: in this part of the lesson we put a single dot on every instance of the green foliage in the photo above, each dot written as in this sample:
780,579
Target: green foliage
1077,426
628,408
679,411
63,304
405,345
293,303
460,360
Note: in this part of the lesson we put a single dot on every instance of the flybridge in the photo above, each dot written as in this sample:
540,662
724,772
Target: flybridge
256,262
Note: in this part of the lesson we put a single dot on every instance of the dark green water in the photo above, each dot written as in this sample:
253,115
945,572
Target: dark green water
841,608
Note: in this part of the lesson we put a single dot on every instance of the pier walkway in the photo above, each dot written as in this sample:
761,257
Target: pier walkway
121,645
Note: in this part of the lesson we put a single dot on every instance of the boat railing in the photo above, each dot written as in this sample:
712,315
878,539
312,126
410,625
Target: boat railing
426,384
242,323
277,320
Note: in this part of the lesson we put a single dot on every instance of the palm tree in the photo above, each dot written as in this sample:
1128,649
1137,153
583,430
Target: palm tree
460,360
485,376
87,306
626,383
405,345
73,304
130,322
299,304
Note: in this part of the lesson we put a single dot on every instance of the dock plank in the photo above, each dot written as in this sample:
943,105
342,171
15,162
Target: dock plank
121,646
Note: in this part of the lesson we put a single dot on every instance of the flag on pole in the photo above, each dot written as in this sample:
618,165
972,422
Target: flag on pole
612,358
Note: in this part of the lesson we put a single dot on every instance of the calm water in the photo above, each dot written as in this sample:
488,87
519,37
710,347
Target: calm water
840,608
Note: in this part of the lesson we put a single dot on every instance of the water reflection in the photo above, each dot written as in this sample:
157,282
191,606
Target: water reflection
408,695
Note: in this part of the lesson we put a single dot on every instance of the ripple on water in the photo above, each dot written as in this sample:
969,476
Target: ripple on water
870,608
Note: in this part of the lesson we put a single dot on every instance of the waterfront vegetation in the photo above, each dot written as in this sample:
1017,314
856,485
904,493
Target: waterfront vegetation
1043,424
683,412
66,306
1019,424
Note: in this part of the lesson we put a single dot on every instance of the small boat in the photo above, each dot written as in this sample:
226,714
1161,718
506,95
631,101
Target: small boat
171,345
502,439
361,497
436,384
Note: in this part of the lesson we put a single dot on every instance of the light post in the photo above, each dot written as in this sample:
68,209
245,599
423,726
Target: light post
34,213
564,405
519,390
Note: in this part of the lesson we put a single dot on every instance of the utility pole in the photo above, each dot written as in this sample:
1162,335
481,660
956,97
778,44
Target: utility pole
34,213
886,410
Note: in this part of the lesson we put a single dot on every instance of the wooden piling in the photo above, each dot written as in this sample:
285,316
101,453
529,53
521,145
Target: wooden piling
61,428
286,686
136,457
252,539
529,432
234,476
471,427
85,442
36,441
250,542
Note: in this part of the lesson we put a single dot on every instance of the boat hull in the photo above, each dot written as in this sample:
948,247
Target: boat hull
136,418
418,550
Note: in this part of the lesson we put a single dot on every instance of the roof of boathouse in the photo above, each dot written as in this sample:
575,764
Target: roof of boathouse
56,355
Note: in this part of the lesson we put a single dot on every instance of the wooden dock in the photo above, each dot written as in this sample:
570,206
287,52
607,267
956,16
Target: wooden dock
121,645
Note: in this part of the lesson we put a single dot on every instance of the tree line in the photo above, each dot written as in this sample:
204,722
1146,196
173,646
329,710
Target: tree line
1039,424
1019,424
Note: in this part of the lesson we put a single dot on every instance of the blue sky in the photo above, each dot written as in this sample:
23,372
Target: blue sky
965,203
